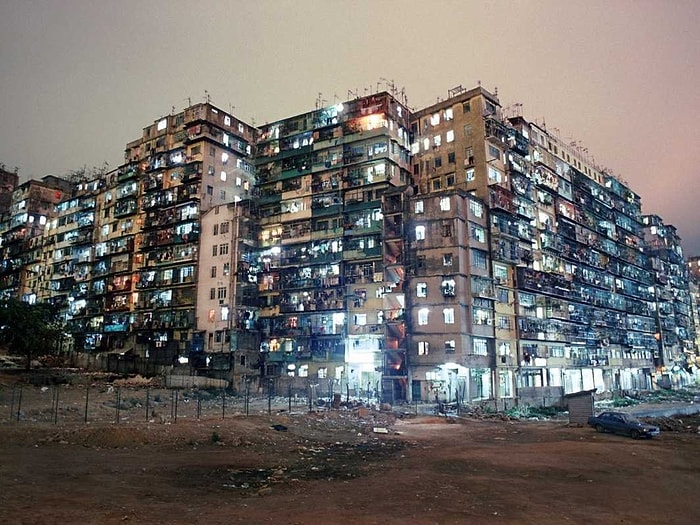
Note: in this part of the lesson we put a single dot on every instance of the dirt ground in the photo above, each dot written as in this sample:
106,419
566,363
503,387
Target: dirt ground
339,467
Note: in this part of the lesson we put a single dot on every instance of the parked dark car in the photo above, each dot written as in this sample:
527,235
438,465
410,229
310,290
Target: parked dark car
622,423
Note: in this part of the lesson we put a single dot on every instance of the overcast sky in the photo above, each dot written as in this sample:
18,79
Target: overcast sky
81,78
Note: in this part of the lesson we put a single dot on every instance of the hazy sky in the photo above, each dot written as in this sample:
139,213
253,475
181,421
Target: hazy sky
81,78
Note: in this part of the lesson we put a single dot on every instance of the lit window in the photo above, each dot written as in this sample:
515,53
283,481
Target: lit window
223,176
415,148
435,119
224,313
450,346
495,175
470,174
450,136
420,233
304,371
224,157
418,207
422,290
476,208
445,204
448,315
447,259
480,346
426,144
162,124
423,314
448,287
423,347
478,233
437,141
322,373
448,115
360,319
238,181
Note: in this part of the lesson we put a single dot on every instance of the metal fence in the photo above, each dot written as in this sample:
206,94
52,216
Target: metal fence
73,403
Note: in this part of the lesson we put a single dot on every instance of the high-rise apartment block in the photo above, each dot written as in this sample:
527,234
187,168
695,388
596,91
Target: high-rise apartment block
457,252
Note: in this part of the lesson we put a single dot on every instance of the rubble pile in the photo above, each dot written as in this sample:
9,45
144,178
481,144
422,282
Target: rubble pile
688,424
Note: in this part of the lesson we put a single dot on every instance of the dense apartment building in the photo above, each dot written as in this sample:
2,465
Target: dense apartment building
674,311
458,252
557,293
331,265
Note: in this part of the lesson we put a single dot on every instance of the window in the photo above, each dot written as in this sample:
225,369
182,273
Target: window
450,136
227,269
451,157
476,208
423,347
445,204
479,259
437,141
420,233
447,259
216,230
223,176
418,207
423,314
221,293
447,114
223,249
422,290
500,273
477,233
448,315
435,119
222,194
360,319
322,373
495,175
212,293
212,151
447,230
466,107
494,152
224,227
450,179
214,250
450,346
436,184
448,287
438,162
469,174
503,322
480,346
469,155
213,271
210,190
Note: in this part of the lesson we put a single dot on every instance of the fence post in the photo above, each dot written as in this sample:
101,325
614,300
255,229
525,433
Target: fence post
223,403
19,402
87,397
118,394
12,404
148,400
55,404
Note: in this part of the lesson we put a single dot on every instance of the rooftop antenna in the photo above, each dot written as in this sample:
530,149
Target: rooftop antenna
207,98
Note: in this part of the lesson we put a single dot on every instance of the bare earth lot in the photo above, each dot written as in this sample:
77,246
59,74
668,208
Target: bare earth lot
330,467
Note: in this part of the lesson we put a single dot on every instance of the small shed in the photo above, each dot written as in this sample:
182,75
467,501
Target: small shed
580,405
